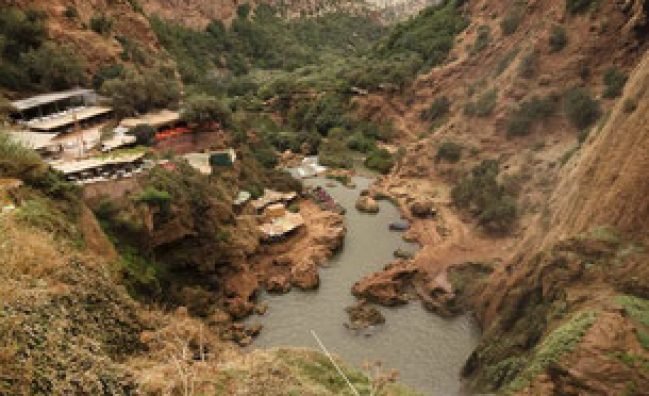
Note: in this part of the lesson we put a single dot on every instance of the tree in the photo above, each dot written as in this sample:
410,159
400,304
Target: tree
53,67
203,109
144,134
138,92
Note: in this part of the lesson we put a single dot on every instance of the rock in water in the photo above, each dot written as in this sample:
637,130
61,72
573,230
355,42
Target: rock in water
367,204
362,315
305,275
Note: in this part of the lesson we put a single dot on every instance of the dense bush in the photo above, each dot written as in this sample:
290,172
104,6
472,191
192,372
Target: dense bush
528,65
558,38
106,73
334,151
138,92
204,109
577,6
438,109
614,80
482,40
144,134
530,111
101,24
51,67
430,34
580,108
154,197
71,12
449,151
380,160
487,199
509,23
484,105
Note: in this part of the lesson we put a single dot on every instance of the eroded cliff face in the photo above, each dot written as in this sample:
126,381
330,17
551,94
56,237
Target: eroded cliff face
573,301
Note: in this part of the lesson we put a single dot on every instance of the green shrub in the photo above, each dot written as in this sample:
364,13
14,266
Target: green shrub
101,24
53,67
449,151
18,161
528,65
510,22
141,91
71,12
105,73
505,61
580,108
144,134
629,105
558,38
359,142
380,160
438,109
334,151
484,105
482,39
535,109
154,197
578,6
614,80
487,199
204,109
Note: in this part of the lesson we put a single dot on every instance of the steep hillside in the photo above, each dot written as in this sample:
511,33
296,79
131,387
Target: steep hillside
532,147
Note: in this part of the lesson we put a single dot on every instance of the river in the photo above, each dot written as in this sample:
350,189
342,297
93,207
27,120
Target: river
427,350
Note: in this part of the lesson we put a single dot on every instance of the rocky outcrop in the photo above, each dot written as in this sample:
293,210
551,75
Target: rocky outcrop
362,315
305,275
389,287
367,204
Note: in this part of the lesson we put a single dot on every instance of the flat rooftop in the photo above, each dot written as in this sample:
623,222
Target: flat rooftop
33,140
71,167
156,120
40,100
69,118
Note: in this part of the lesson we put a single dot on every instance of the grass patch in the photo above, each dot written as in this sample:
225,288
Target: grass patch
637,308
482,40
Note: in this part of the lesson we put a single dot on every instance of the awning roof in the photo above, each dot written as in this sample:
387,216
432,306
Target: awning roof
156,120
40,100
93,163
34,140
68,118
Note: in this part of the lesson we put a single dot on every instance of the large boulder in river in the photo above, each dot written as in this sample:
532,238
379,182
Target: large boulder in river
387,287
363,315
305,275
367,204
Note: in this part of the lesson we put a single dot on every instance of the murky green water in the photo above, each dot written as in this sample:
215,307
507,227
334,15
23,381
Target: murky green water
428,351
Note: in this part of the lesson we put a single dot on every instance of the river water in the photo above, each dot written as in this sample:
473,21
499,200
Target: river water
428,351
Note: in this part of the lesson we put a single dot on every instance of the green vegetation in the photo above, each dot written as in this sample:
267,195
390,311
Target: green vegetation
438,109
638,310
558,38
529,112
614,80
579,6
509,23
528,65
28,61
482,40
505,61
482,194
138,92
559,342
204,109
101,24
380,160
144,134
71,12
449,151
580,108
484,105
154,197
